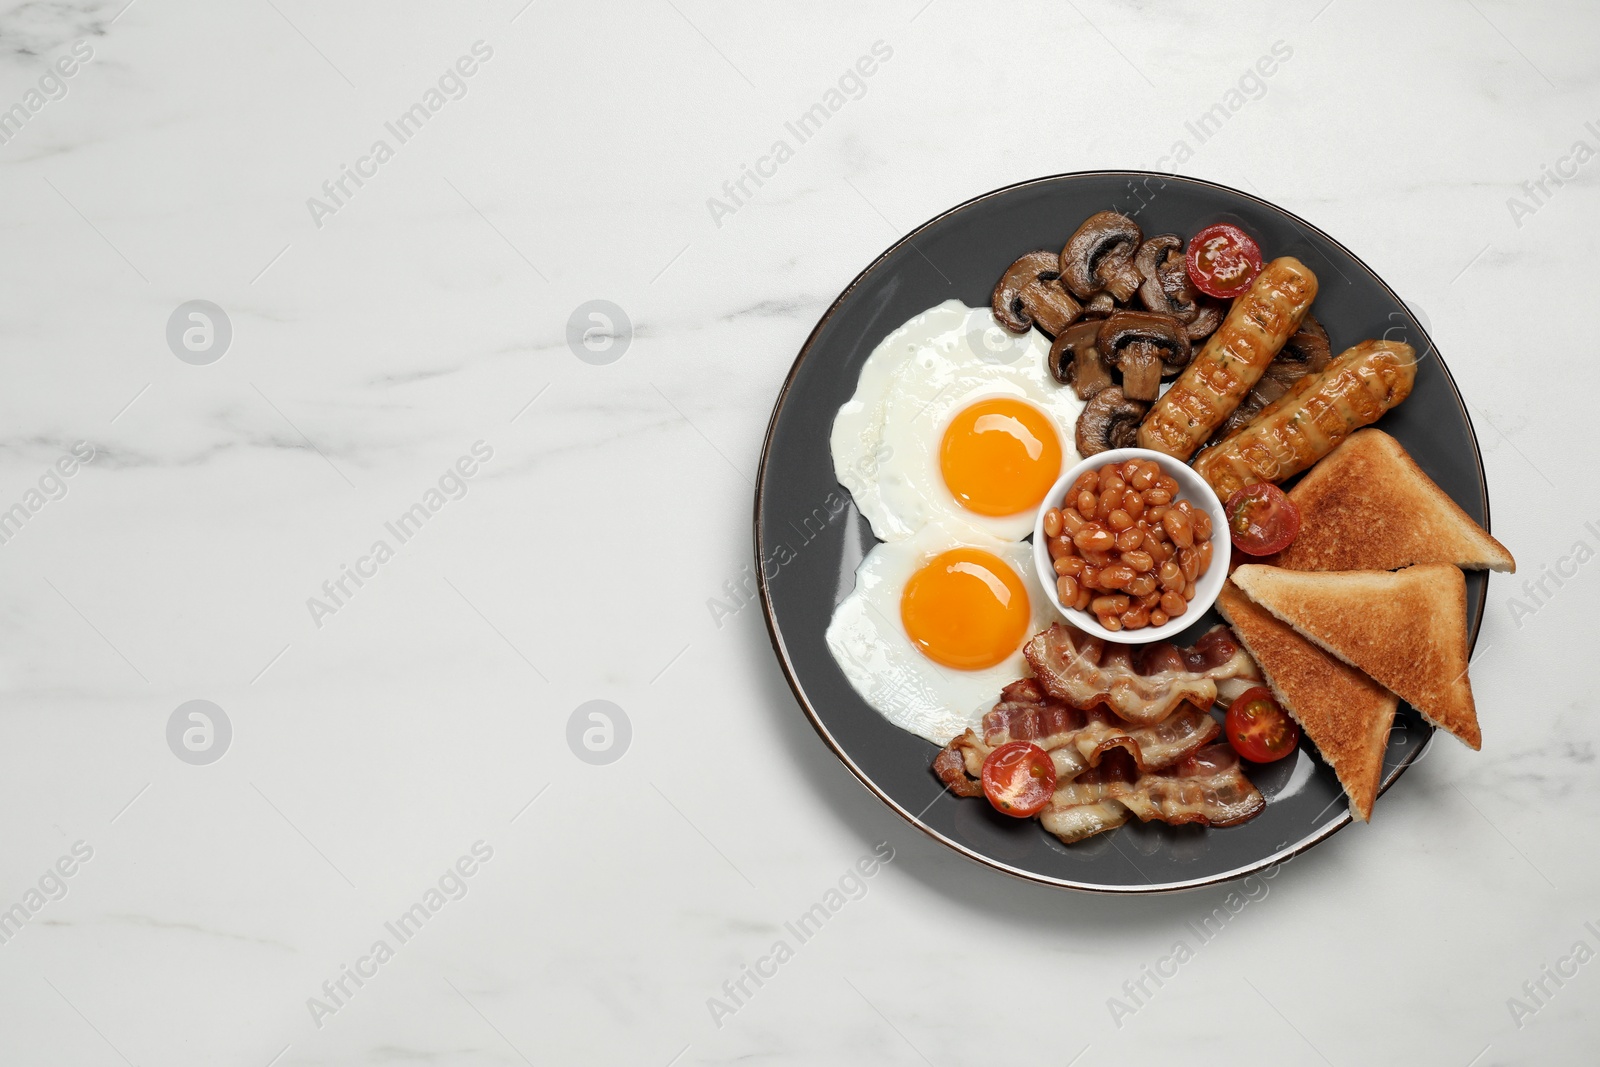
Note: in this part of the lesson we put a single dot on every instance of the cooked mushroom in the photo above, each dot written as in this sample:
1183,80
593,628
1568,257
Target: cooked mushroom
1099,306
1166,287
1207,320
1163,288
1075,360
1100,256
1110,420
1306,352
1143,345
1030,291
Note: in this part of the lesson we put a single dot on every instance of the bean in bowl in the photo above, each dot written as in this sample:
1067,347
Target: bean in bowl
1125,548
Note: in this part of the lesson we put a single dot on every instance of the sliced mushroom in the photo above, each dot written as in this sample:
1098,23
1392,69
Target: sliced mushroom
1030,291
1306,352
1099,306
1206,320
1100,256
1165,286
1143,345
1308,346
1075,360
1110,420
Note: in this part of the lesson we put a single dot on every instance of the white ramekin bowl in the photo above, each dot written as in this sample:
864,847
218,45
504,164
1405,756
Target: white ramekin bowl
1191,487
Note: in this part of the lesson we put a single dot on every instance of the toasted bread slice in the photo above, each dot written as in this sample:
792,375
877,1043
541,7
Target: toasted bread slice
1368,506
1407,629
1346,714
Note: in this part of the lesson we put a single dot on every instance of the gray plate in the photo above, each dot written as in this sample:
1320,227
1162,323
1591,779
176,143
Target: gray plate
961,254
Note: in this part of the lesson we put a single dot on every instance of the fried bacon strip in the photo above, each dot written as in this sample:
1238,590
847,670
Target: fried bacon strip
1143,684
1208,788
1075,738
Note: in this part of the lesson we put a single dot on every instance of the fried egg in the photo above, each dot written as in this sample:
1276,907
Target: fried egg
935,626
955,420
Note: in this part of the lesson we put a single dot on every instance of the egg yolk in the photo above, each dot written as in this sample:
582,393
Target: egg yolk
1000,456
966,609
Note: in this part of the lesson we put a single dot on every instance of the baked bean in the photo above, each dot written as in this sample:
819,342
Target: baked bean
1115,604
1126,548
1094,538
1139,561
1178,527
1052,522
1189,563
1117,576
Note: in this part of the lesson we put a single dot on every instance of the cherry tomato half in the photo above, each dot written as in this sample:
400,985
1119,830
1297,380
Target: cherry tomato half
1258,729
1223,260
1262,519
1019,779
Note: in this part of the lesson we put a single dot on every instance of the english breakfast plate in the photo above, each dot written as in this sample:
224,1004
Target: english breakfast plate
899,547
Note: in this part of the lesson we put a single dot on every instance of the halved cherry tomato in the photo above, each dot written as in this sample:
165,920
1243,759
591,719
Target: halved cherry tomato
1019,779
1258,729
1223,260
1262,519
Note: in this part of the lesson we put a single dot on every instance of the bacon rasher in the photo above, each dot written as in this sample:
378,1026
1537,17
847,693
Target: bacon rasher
1208,788
1075,738
1127,729
1143,684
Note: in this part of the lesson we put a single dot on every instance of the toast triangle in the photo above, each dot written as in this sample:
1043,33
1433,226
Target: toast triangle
1346,714
1368,506
1407,629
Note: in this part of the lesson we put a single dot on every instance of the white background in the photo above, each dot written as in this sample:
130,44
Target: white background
372,351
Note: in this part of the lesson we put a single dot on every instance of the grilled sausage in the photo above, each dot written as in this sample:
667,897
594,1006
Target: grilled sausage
1306,423
1232,361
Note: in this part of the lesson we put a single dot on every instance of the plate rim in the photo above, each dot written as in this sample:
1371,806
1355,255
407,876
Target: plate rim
780,648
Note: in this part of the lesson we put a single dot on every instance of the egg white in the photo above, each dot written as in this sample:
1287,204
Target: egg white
886,437
872,648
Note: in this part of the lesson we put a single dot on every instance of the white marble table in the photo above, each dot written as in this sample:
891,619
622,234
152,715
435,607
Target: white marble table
403,741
